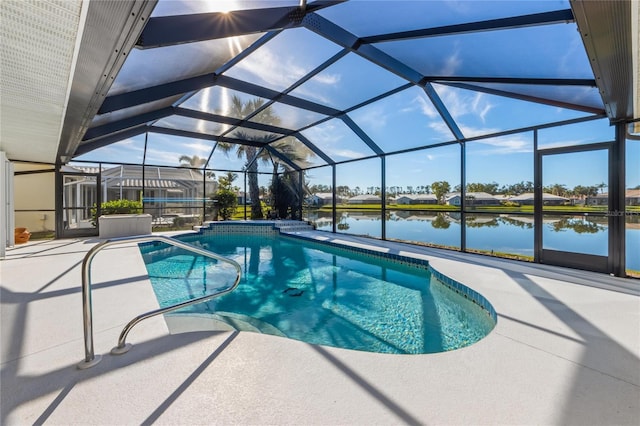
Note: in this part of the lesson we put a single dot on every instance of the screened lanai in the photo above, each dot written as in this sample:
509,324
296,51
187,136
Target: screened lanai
477,102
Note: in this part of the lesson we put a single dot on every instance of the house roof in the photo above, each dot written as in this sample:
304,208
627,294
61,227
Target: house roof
365,197
474,195
417,197
629,193
529,196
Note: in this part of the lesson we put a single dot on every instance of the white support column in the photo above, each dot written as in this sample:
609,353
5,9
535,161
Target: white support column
7,214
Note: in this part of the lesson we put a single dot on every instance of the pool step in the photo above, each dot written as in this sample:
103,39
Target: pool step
286,226
220,321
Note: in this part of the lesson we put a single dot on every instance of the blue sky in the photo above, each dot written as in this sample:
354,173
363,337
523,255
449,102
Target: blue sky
407,119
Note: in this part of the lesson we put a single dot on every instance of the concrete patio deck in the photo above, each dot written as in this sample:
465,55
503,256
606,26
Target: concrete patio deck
565,351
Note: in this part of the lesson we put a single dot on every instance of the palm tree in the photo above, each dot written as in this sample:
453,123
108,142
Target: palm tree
297,153
195,162
192,161
248,152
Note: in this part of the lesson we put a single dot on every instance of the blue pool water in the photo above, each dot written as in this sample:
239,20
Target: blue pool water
319,294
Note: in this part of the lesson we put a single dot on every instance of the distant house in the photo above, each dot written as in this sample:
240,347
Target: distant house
597,200
402,199
323,198
631,198
526,199
472,199
416,199
243,198
365,199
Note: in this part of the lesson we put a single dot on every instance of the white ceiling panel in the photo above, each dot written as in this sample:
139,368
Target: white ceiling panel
37,57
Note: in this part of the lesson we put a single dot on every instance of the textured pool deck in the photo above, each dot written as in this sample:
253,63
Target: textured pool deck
565,351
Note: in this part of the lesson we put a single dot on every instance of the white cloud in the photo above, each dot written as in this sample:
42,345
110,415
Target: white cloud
452,63
426,107
346,153
497,145
198,148
265,65
504,145
375,117
442,128
155,156
327,78
459,103
329,139
316,88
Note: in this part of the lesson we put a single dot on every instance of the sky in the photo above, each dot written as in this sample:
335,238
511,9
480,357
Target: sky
408,118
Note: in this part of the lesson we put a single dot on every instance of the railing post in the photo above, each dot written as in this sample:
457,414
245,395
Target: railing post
90,359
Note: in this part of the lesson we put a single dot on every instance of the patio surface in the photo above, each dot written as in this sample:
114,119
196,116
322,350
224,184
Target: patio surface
565,351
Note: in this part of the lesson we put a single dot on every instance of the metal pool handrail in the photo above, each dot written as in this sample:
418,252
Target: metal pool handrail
90,359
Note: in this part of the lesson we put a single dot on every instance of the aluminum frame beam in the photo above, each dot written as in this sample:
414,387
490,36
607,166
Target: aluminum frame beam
515,80
170,30
361,134
203,136
528,98
291,164
85,147
237,122
117,126
606,31
347,40
443,111
314,148
535,19
263,92
101,54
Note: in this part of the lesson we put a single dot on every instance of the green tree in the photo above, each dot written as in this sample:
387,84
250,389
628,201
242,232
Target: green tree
556,189
226,197
490,188
517,188
296,153
249,152
440,189
284,194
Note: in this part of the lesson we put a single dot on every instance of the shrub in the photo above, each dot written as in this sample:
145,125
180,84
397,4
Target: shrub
227,203
116,207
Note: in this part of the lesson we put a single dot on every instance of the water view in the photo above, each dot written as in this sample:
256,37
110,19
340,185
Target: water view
510,235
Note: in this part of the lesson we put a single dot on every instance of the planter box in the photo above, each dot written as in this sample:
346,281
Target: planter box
124,225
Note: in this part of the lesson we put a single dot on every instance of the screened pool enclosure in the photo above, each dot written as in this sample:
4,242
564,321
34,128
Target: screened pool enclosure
495,127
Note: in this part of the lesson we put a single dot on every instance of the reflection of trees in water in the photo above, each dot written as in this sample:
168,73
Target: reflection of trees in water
440,222
343,224
633,218
516,222
473,222
578,225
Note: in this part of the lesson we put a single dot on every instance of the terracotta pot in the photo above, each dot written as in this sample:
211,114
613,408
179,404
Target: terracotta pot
21,235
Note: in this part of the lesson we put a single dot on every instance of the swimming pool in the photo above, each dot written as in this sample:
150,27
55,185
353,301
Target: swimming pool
321,294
